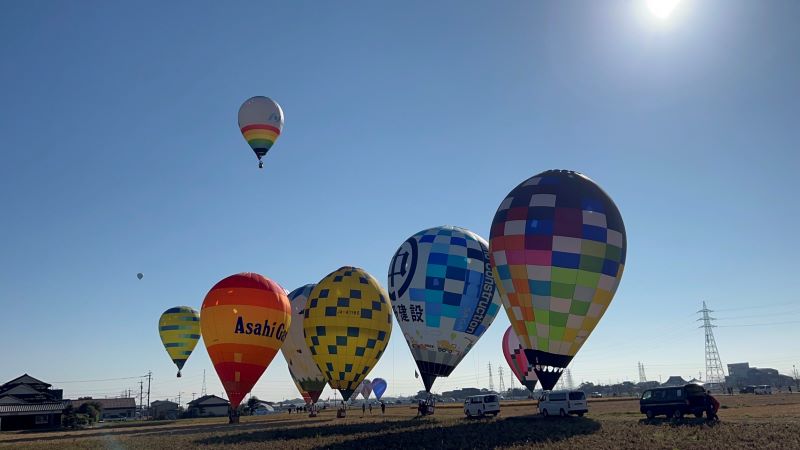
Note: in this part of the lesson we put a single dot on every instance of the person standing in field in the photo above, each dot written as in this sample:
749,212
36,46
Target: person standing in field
383,407
712,406
370,409
363,408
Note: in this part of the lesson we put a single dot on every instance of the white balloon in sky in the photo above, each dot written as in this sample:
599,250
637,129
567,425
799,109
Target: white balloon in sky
662,9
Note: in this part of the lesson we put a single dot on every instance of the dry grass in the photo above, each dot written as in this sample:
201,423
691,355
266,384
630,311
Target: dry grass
747,422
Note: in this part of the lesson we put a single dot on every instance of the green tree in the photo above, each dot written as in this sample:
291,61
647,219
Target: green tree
252,403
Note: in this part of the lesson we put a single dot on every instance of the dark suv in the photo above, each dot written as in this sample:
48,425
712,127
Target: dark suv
673,401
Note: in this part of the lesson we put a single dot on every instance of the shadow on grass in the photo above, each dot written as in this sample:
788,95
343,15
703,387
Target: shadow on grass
472,434
156,429
311,432
683,422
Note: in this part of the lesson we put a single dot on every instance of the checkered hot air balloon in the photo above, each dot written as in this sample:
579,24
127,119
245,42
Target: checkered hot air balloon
179,328
347,325
558,249
443,295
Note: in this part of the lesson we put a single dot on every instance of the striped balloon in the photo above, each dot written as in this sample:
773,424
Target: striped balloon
179,328
261,122
244,320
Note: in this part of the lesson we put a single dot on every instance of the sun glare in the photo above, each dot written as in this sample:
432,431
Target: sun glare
662,9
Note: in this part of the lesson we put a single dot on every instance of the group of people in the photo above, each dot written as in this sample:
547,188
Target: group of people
364,408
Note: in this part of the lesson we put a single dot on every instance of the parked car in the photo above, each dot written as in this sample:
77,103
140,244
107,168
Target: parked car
763,389
563,403
481,405
597,395
748,389
674,401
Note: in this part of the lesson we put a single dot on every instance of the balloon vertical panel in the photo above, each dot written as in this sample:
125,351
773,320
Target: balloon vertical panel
302,368
558,247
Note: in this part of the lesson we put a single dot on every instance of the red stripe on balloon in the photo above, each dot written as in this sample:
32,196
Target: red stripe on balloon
260,127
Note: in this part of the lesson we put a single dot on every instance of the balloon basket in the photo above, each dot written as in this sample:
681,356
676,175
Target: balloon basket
341,414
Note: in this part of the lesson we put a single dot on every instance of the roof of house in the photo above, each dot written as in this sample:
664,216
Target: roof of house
11,400
25,379
22,389
158,403
209,400
107,403
32,408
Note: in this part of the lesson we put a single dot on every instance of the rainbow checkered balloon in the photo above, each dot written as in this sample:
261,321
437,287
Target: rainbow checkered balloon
557,245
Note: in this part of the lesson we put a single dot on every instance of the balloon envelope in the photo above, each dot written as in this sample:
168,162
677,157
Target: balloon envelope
302,368
347,325
379,387
443,295
516,359
558,247
244,321
139,276
261,122
179,328
365,389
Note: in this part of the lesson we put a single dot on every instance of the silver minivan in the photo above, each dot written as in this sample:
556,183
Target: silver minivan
563,403
481,405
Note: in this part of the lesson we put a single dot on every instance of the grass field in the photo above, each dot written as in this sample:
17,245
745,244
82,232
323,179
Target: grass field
747,421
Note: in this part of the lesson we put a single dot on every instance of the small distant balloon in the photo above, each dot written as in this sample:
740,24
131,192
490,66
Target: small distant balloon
378,387
261,122
139,275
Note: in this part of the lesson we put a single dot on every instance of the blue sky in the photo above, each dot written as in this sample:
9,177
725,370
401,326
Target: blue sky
121,154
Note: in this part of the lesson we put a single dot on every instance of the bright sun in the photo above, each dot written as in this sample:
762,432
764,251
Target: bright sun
662,8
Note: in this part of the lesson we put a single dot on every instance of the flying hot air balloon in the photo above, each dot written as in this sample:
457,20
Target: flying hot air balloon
558,249
179,328
516,359
379,387
261,122
139,275
302,367
347,325
244,320
443,295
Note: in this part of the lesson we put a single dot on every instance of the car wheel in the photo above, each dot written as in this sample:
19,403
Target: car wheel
562,413
677,414
480,413
545,413
580,414
698,414
469,414
650,414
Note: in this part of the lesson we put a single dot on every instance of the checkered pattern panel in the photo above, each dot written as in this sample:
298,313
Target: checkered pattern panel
558,245
347,325
443,295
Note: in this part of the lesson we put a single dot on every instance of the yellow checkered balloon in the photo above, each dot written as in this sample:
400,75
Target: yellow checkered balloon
347,324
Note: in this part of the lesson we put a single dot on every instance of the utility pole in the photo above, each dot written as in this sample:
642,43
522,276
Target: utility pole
511,383
796,381
715,375
179,398
491,382
149,377
193,394
141,396
203,392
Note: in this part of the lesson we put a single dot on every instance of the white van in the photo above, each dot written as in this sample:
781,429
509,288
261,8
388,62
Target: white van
480,405
563,403
764,389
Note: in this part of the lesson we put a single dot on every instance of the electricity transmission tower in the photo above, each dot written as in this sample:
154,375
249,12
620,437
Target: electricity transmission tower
203,391
500,376
568,380
491,382
642,377
715,375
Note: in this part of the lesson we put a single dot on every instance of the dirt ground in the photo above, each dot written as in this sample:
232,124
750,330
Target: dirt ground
747,421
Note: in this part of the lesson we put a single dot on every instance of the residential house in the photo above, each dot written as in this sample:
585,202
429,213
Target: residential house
208,406
164,409
113,408
28,403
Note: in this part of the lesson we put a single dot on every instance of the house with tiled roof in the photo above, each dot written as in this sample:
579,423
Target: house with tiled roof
29,403
208,406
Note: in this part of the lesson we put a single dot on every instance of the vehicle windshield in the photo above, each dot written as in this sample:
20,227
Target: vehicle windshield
647,394
490,399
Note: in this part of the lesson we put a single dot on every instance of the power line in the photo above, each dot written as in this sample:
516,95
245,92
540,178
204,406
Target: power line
96,381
